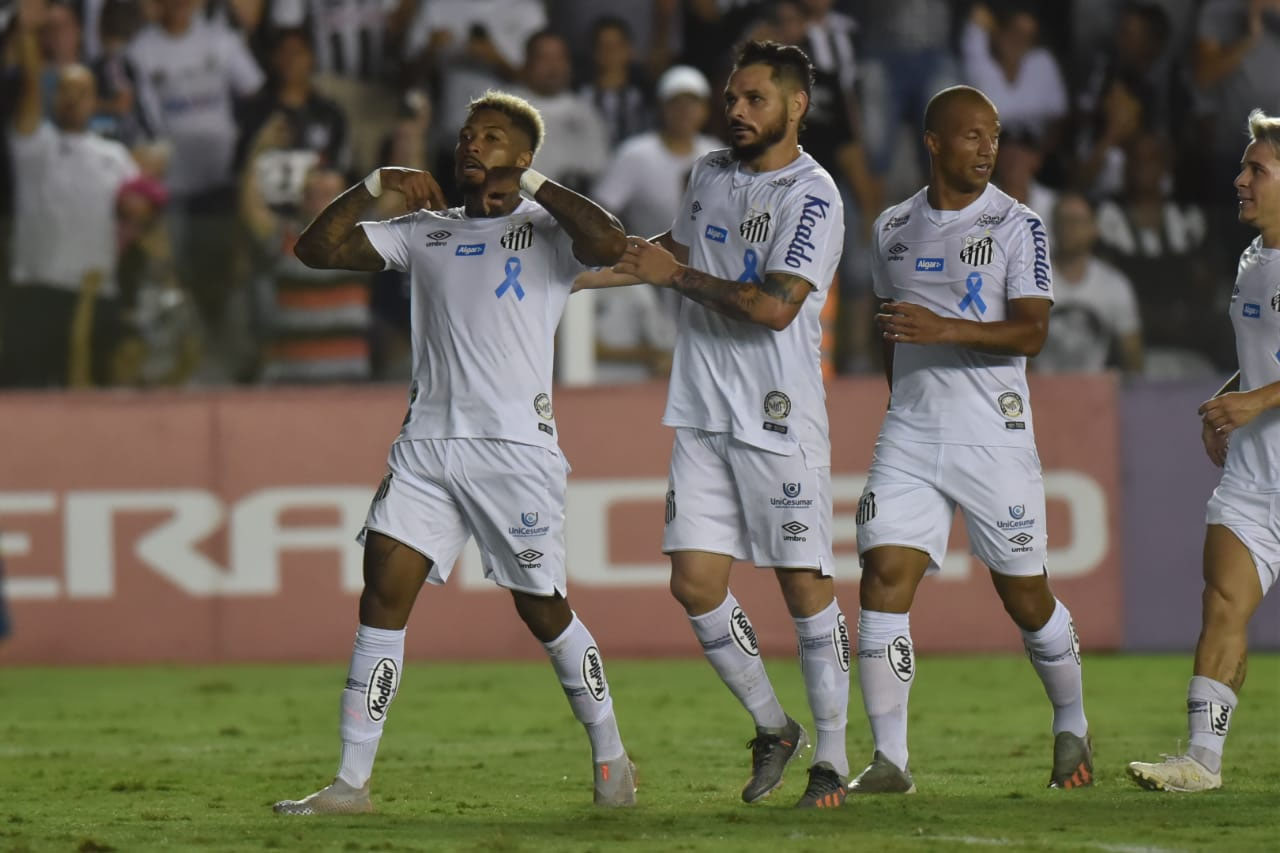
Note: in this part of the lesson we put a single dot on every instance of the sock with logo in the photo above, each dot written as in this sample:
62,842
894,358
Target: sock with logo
1210,705
578,665
1055,653
372,681
886,671
729,642
824,660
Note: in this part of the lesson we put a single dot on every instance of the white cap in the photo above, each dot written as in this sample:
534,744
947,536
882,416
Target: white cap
682,80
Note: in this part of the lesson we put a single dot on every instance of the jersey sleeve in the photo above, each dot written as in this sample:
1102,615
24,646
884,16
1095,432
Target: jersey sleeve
880,282
682,226
391,238
809,236
1028,274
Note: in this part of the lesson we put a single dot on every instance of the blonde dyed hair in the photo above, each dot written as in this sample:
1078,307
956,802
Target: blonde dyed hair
523,114
1265,128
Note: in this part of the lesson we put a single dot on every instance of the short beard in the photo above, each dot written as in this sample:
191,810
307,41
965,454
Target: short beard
769,137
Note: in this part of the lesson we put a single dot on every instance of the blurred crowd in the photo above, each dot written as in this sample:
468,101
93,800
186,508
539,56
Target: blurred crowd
163,156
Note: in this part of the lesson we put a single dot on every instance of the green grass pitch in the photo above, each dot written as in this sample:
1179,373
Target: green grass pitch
486,757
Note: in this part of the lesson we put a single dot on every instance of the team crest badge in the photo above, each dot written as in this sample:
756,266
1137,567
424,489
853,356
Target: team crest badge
755,228
977,251
517,237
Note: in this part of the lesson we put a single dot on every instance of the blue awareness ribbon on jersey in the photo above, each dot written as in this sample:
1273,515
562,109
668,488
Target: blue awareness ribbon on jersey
973,289
749,262
512,281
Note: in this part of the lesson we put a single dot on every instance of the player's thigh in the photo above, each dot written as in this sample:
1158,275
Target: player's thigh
1242,546
414,506
512,497
787,506
703,511
901,505
1001,491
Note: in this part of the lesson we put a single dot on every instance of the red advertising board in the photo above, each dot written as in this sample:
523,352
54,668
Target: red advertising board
220,525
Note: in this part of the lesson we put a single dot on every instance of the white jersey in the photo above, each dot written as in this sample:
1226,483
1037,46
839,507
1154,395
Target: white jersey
960,263
728,375
486,297
1253,455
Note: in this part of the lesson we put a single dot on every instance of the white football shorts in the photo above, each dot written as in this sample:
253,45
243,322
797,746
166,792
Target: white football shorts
728,497
509,496
1254,517
913,490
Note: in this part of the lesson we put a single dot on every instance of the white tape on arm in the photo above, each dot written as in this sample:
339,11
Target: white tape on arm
530,181
373,183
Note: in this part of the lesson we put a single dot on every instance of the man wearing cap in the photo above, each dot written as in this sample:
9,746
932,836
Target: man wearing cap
635,326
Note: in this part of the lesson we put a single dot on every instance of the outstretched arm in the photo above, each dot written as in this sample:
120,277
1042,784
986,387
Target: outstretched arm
597,279
29,111
333,240
1023,333
773,303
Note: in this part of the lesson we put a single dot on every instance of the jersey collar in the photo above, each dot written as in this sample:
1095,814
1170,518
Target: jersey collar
946,217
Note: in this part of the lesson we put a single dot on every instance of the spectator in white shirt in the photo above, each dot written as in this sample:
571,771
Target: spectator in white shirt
577,142
64,241
1000,56
1095,319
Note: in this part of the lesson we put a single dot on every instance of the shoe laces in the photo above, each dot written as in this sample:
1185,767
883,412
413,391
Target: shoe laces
823,781
762,748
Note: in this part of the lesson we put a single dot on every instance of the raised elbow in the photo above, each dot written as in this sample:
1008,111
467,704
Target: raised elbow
1035,341
607,250
305,252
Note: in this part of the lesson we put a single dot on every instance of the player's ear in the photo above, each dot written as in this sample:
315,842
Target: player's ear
525,159
932,143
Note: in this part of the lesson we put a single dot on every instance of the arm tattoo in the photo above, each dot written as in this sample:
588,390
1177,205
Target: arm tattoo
743,300
333,240
598,238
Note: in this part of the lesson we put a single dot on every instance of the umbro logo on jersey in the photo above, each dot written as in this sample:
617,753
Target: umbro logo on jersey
755,228
437,236
469,249
716,234
517,237
897,250
695,209
977,251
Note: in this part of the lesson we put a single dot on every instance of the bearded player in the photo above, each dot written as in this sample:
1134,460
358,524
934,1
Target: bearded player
1241,432
964,269
753,250
477,452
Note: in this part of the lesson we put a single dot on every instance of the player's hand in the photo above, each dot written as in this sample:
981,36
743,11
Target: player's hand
1215,444
1228,412
418,188
648,262
501,186
907,323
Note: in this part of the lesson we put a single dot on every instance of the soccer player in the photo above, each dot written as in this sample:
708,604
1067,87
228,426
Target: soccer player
1241,433
754,247
965,272
477,452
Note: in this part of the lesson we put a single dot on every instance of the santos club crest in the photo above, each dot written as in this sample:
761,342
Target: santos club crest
977,251
517,237
755,228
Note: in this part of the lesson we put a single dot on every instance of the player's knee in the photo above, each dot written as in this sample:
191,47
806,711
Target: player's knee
546,617
883,591
695,594
1224,606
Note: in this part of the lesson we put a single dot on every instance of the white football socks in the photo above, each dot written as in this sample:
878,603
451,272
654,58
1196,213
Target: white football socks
1055,653
372,681
1210,705
886,670
824,661
578,665
729,642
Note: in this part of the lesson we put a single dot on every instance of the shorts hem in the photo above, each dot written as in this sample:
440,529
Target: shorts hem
935,562
679,548
368,528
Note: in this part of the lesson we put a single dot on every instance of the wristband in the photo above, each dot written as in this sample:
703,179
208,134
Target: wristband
373,183
530,181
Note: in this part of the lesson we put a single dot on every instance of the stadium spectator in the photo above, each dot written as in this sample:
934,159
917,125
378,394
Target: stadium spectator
829,38
1095,320
1237,54
647,23
161,340
616,87
317,126
64,241
1001,56
317,321
189,72
1159,244
117,116
577,148
906,58
1017,169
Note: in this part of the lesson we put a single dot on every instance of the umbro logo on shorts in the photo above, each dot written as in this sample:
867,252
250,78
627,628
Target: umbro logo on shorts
529,558
793,529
